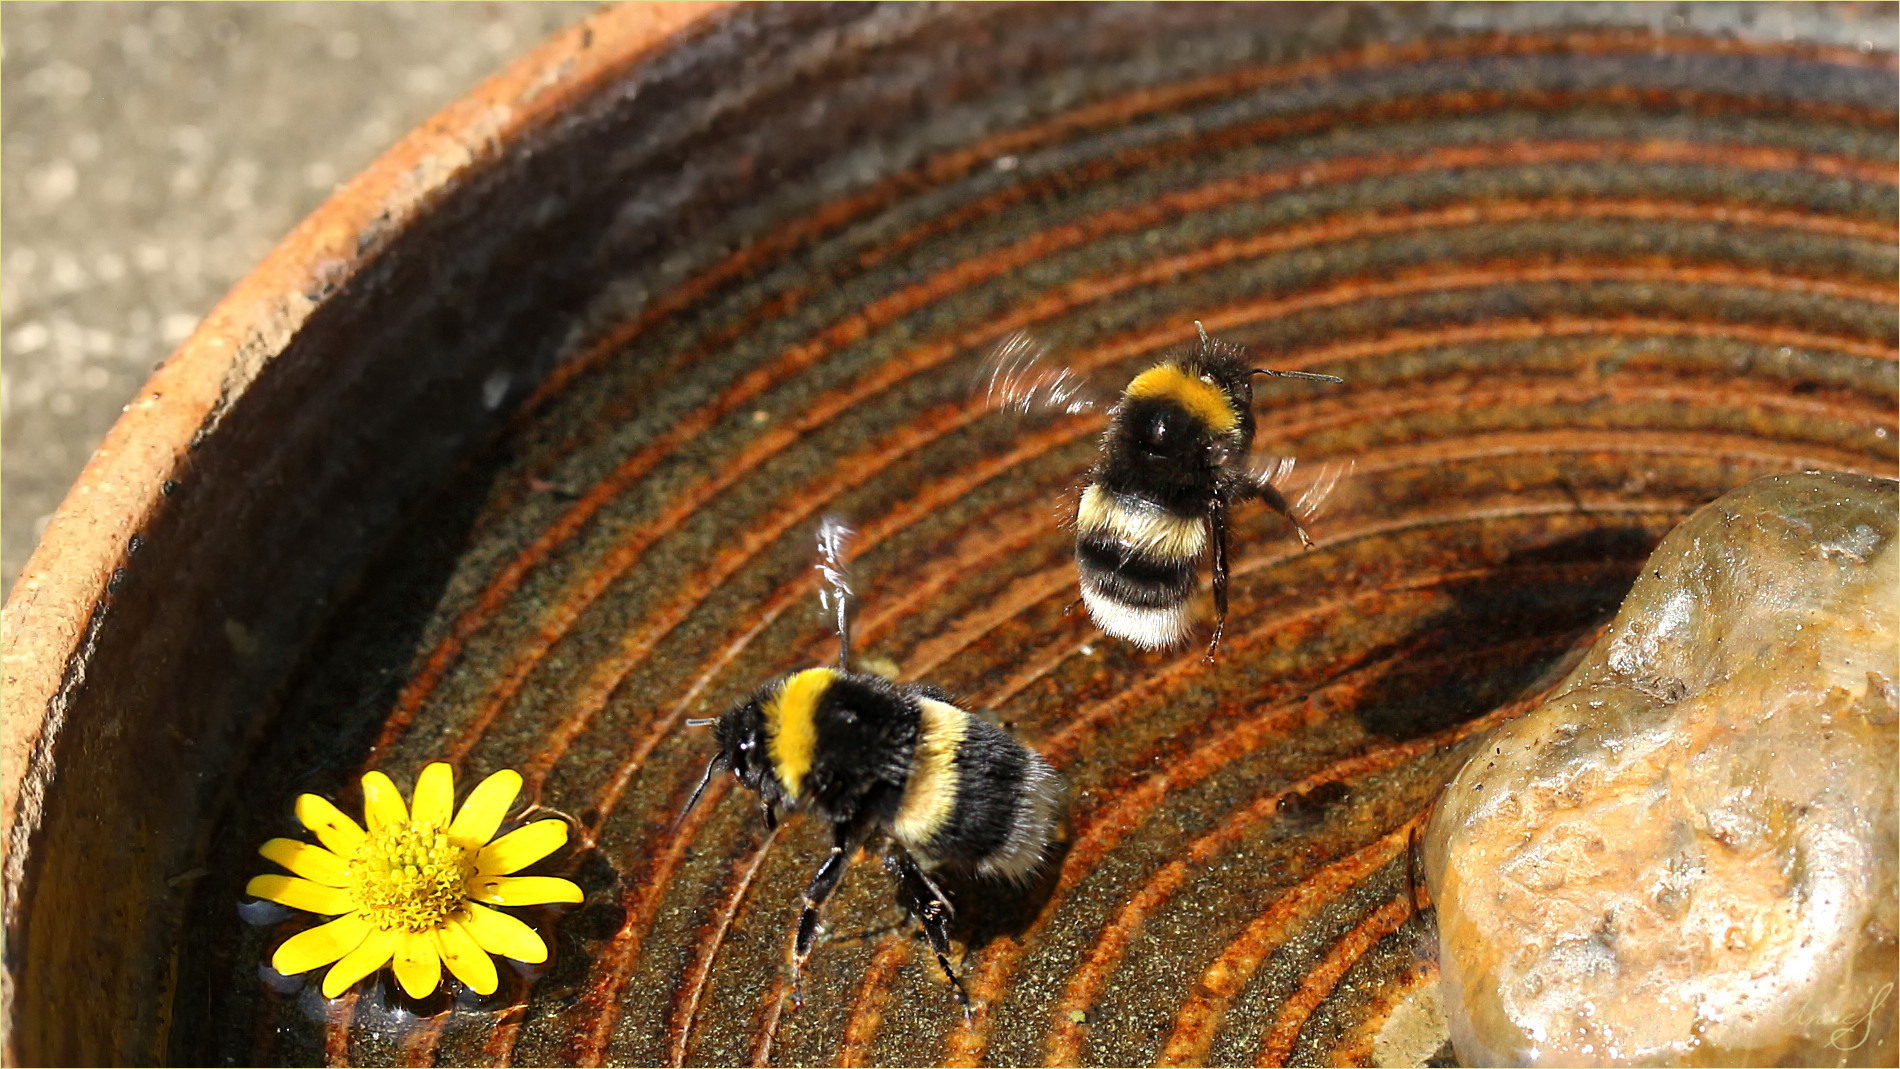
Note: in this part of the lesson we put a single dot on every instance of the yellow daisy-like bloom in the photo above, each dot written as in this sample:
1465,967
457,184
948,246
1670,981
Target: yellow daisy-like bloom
410,890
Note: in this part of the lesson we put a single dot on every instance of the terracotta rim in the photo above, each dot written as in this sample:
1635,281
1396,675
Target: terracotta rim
46,620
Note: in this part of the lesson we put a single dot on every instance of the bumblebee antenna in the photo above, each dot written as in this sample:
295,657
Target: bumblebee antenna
834,540
712,766
1314,375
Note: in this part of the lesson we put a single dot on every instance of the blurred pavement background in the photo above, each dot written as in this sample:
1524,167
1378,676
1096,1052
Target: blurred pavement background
151,154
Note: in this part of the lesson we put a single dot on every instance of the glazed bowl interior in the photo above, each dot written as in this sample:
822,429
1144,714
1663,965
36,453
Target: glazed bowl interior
535,478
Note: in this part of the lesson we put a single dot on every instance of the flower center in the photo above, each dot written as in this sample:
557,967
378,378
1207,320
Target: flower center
410,879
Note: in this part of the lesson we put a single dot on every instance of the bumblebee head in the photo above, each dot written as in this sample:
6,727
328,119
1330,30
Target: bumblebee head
740,734
742,741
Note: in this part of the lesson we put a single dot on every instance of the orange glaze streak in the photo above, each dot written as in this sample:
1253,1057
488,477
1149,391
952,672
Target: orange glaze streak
419,1046
1200,1017
1104,828
1325,976
872,535
641,901
1457,102
627,552
1033,588
679,1026
338,1016
938,422
866,1014
1108,112
1657,443
904,301
615,976
499,1047
1057,580
768,1029
791,594
1093,840
593,694
960,163
1085,984
608,978
1533,329
1245,567
1098,834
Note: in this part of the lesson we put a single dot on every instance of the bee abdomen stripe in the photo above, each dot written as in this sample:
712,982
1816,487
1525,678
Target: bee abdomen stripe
930,795
1206,401
990,768
791,720
1119,572
1151,530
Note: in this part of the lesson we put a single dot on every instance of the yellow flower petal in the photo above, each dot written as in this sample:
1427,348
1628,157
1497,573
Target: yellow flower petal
522,890
466,958
311,862
434,799
320,945
486,805
520,848
498,933
371,954
382,802
301,894
418,965
335,830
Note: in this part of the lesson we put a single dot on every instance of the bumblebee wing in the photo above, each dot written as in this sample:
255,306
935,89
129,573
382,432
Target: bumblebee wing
1019,376
1299,490
835,593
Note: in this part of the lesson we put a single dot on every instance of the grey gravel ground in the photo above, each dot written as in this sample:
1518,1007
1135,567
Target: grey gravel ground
151,154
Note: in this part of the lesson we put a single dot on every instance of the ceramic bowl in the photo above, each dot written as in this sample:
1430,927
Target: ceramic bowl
511,456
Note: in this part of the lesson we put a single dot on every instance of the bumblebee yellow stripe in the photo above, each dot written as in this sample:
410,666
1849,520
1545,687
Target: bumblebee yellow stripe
1152,530
1206,401
930,795
790,720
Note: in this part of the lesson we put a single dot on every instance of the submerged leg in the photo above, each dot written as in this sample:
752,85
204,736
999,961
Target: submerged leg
822,884
927,903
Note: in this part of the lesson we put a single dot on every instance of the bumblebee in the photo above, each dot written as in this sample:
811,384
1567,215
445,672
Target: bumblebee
943,788
1174,462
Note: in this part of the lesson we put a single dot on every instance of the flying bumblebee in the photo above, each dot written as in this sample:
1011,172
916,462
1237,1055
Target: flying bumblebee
944,788
1174,462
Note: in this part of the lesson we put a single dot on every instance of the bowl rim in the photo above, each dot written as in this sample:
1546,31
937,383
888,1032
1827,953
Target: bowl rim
50,612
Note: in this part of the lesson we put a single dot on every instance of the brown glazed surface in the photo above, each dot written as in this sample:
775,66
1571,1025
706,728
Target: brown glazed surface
511,456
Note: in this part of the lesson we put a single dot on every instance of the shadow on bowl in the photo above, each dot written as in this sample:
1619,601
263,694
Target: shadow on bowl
511,454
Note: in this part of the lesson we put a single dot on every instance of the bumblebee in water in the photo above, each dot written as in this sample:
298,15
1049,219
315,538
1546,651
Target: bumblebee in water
1175,460
945,789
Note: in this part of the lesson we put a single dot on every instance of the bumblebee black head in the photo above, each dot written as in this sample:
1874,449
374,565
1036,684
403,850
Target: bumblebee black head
743,745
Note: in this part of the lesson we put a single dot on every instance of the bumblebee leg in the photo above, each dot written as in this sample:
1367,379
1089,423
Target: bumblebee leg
1271,497
770,814
927,903
1217,534
822,884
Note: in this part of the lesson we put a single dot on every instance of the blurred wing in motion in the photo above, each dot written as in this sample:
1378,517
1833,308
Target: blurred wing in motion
834,591
1299,491
1019,377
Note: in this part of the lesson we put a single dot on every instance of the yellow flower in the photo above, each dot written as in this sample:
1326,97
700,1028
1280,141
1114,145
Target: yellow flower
410,889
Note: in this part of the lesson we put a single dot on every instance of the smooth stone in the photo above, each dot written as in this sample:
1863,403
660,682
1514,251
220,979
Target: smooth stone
1687,855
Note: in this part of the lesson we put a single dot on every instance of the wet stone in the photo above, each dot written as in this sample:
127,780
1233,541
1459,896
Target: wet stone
1687,855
